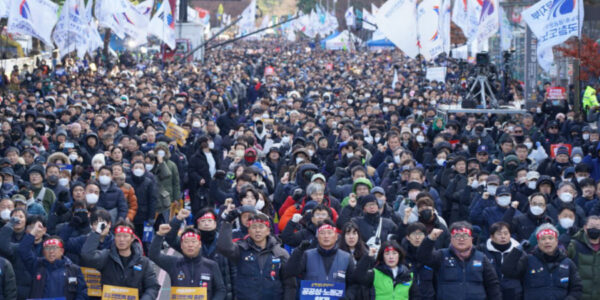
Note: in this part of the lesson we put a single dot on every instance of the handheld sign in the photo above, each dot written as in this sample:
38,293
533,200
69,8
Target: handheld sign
313,290
177,133
111,292
188,293
92,279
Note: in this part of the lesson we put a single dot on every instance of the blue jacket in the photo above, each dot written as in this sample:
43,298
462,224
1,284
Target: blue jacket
113,198
491,215
594,164
10,250
74,243
52,279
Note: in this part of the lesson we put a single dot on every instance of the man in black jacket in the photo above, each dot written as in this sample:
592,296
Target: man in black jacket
8,284
462,271
123,264
192,270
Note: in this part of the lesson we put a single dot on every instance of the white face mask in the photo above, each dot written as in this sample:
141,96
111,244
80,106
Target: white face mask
5,214
420,139
63,181
122,125
285,139
566,197
440,161
299,160
196,124
73,156
532,184
104,180
259,204
585,136
475,184
138,172
311,152
580,179
368,139
528,145
415,130
91,198
377,139
577,159
566,223
492,189
161,153
536,210
503,201
211,145
149,167
397,159
350,155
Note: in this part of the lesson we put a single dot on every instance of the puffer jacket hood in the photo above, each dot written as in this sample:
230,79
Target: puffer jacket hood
364,181
300,181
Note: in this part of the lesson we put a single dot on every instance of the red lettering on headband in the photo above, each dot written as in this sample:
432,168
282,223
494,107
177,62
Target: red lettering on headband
53,242
461,230
546,232
190,235
250,222
389,248
325,227
123,229
207,216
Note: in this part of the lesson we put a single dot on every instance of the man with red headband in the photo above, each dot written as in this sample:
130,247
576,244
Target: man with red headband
54,276
462,271
326,263
191,270
258,258
123,264
546,273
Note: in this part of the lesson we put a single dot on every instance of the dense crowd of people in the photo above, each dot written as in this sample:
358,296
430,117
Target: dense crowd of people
327,171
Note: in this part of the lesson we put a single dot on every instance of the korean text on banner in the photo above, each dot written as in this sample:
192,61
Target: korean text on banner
436,74
312,290
177,133
111,292
556,92
188,293
92,279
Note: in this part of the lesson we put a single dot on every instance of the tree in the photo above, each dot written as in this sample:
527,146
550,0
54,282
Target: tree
306,5
588,53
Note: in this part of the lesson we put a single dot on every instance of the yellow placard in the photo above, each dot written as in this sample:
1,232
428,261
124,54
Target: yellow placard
112,292
177,133
188,293
93,281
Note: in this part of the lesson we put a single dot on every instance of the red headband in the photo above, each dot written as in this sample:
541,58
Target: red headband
546,232
206,216
53,242
461,230
190,234
389,248
326,227
123,229
256,221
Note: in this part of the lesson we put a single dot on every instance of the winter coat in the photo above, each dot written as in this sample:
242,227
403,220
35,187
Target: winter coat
369,276
52,279
294,233
132,205
474,278
368,224
258,270
113,199
511,288
522,226
138,274
588,264
46,200
543,278
146,194
167,178
189,272
8,284
422,273
10,250
292,209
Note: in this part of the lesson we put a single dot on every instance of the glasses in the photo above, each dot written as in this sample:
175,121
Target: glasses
461,236
323,215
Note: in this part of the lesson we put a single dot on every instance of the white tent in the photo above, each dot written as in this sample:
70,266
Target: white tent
344,40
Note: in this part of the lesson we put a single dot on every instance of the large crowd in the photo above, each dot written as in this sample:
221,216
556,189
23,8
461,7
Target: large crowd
317,173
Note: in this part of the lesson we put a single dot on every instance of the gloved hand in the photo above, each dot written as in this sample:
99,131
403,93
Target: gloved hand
297,195
304,245
296,218
232,215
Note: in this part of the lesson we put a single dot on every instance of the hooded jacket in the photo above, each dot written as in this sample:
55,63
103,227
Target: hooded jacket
138,273
167,178
511,288
588,264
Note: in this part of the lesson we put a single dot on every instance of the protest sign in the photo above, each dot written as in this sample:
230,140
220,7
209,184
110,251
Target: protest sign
111,292
92,279
188,293
312,290
177,133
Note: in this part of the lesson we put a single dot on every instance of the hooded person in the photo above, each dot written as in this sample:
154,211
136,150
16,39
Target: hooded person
284,190
303,227
314,192
373,228
167,179
350,208
509,168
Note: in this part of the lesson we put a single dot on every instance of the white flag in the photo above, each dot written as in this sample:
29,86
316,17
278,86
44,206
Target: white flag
349,16
145,8
368,20
35,18
374,9
134,23
444,25
473,18
162,24
71,29
553,22
106,13
489,21
246,24
395,80
395,14
459,15
430,40
506,35
4,8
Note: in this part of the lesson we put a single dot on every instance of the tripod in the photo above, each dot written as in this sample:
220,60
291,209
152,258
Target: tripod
485,89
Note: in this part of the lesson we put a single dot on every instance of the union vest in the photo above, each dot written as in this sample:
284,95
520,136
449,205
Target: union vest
460,280
315,268
541,283
253,282
385,288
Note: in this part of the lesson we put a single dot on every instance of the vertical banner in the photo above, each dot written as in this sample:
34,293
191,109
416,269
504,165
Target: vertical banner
531,66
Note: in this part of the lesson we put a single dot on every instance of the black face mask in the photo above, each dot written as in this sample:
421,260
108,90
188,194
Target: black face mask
425,216
593,233
52,179
259,129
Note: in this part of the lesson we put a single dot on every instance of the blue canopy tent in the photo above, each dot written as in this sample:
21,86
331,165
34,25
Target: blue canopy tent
380,44
323,41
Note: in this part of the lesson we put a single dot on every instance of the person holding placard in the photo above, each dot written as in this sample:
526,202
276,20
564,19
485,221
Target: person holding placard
123,265
54,276
199,274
